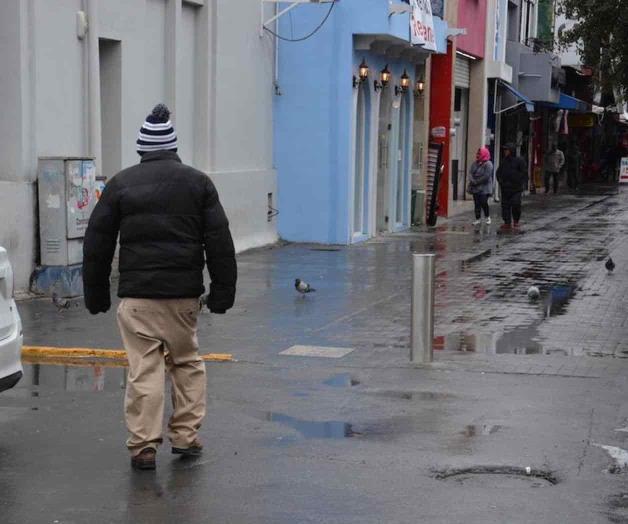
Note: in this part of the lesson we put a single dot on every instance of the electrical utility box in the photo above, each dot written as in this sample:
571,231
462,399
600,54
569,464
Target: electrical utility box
67,196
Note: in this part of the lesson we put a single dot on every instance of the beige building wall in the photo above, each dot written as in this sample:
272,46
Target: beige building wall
478,97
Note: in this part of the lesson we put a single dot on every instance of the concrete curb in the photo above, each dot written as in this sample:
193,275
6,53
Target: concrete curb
43,352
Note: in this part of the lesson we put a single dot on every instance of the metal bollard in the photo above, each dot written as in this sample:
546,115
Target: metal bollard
422,308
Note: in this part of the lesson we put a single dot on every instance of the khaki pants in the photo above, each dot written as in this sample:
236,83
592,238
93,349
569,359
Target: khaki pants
160,335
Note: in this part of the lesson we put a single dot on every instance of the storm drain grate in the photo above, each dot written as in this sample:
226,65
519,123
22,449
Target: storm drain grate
510,471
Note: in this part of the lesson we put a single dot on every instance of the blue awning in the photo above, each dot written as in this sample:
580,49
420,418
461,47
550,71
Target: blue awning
568,102
529,105
573,104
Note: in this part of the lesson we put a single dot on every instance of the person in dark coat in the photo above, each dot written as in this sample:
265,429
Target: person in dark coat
481,184
512,175
171,223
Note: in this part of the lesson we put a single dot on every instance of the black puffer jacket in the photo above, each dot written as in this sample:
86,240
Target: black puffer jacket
170,222
512,173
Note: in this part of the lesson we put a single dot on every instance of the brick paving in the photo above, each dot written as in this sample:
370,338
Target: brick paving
482,306
484,319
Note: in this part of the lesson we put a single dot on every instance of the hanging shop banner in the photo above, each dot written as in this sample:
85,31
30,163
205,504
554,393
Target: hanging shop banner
422,24
623,171
582,120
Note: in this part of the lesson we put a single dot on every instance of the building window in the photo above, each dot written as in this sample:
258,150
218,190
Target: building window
528,21
513,23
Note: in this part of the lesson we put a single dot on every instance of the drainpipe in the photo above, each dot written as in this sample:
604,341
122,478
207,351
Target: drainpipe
93,81
276,79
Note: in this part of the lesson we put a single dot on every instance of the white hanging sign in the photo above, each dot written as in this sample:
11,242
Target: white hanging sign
422,24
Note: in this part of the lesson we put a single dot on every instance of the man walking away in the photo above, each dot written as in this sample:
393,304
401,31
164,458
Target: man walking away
170,222
481,184
554,162
512,176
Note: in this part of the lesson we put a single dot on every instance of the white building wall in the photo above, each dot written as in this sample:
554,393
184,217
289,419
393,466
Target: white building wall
243,149
17,188
204,58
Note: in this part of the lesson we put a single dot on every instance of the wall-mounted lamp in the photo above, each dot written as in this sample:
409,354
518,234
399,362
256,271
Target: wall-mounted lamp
405,81
384,76
363,72
419,87
405,84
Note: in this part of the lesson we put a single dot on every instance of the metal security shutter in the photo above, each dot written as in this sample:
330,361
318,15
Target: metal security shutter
462,74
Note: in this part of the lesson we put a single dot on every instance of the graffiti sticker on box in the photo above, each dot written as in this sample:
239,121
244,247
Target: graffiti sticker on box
81,182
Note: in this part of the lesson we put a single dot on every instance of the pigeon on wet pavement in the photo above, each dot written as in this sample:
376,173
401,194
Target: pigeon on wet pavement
534,293
60,302
303,287
610,265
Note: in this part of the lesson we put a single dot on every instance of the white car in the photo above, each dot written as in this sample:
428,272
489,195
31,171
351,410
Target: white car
10,328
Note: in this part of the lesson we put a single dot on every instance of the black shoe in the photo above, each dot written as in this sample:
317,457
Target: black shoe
195,449
144,460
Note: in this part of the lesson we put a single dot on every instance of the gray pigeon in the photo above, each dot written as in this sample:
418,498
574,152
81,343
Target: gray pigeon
303,287
61,303
534,293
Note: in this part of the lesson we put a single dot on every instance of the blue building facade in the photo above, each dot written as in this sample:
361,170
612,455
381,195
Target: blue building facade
343,145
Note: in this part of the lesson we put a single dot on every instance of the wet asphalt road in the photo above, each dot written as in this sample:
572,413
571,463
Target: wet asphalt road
362,438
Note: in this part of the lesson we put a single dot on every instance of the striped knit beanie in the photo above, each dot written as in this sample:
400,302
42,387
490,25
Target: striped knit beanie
157,133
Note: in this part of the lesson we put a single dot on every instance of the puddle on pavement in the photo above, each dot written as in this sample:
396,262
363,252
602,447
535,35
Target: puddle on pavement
342,380
519,340
477,430
413,395
312,429
90,378
557,299
301,394
464,264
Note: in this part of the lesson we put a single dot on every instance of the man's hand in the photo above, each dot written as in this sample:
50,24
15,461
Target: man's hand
97,301
206,301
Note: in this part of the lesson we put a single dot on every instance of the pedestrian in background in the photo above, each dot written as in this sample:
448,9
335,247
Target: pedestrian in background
171,223
554,162
574,161
512,176
481,184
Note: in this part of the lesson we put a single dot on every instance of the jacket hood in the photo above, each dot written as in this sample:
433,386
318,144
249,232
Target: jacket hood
484,155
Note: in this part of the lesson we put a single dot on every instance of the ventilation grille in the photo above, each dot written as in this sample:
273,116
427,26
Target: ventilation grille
53,246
